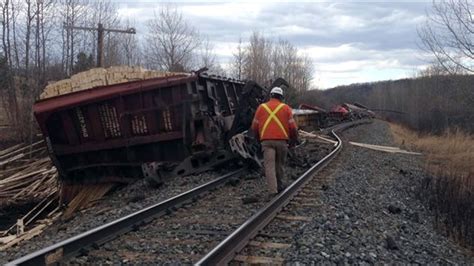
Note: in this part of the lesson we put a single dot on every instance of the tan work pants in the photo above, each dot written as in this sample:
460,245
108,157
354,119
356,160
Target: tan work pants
274,157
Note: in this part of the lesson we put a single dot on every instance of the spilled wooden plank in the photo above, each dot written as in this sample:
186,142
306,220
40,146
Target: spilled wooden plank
383,148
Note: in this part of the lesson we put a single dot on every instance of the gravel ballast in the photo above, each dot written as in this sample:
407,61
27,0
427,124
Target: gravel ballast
119,203
367,213
370,212
139,195
187,234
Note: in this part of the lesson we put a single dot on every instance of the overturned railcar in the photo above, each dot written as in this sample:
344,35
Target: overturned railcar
358,111
173,125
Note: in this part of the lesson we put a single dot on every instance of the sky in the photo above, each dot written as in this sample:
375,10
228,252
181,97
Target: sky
349,41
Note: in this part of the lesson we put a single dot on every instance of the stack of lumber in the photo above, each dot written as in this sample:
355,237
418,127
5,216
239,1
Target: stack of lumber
121,74
58,88
26,174
97,77
88,79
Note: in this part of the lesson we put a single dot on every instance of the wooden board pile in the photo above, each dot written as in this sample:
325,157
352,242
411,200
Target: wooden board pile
101,77
33,223
26,174
87,196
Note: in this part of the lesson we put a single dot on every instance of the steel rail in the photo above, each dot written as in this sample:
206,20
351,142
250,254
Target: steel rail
226,250
345,125
99,235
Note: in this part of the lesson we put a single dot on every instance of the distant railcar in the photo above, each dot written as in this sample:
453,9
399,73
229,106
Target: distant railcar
358,111
309,116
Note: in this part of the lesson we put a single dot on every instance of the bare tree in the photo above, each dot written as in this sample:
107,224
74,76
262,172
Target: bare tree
73,12
432,70
263,61
238,60
8,91
130,47
207,55
42,29
171,41
30,16
14,17
449,35
295,68
258,59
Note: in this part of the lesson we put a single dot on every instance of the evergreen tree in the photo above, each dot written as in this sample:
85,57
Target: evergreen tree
83,62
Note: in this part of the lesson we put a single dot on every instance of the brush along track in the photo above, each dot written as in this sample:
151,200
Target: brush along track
300,193
176,233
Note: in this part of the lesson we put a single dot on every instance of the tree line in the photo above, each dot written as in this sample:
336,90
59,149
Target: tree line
438,97
38,48
39,45
426,103
264,60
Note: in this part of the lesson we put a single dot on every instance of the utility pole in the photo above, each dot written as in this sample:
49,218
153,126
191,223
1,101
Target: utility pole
100,37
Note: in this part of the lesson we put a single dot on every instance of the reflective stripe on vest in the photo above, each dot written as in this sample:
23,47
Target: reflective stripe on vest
272,116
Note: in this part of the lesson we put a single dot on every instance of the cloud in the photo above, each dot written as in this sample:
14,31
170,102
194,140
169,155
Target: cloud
348,40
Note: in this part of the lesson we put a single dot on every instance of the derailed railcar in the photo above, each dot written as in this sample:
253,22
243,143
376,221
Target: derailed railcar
358,111
311,116
172,125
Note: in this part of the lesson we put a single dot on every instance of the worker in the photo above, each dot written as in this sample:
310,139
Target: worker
275,128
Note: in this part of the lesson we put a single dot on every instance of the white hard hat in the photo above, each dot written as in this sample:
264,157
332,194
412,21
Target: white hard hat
277,90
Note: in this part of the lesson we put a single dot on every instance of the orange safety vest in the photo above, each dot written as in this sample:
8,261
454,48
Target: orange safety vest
273,121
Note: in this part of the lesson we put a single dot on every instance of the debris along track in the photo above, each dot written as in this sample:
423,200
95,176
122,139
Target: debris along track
186,235
256,240
225,201
77,244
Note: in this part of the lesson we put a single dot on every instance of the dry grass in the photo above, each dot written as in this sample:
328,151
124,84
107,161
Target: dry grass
449,190
451,152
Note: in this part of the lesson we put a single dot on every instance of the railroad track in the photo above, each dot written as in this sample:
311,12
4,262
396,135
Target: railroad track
183,228
79,244
239,246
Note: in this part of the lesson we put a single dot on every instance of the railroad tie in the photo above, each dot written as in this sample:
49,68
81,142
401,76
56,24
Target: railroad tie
298,198
294,218
258,259
274,234
305,204
274,245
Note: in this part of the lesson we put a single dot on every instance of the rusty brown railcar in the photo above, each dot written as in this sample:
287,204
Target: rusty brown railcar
175,124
